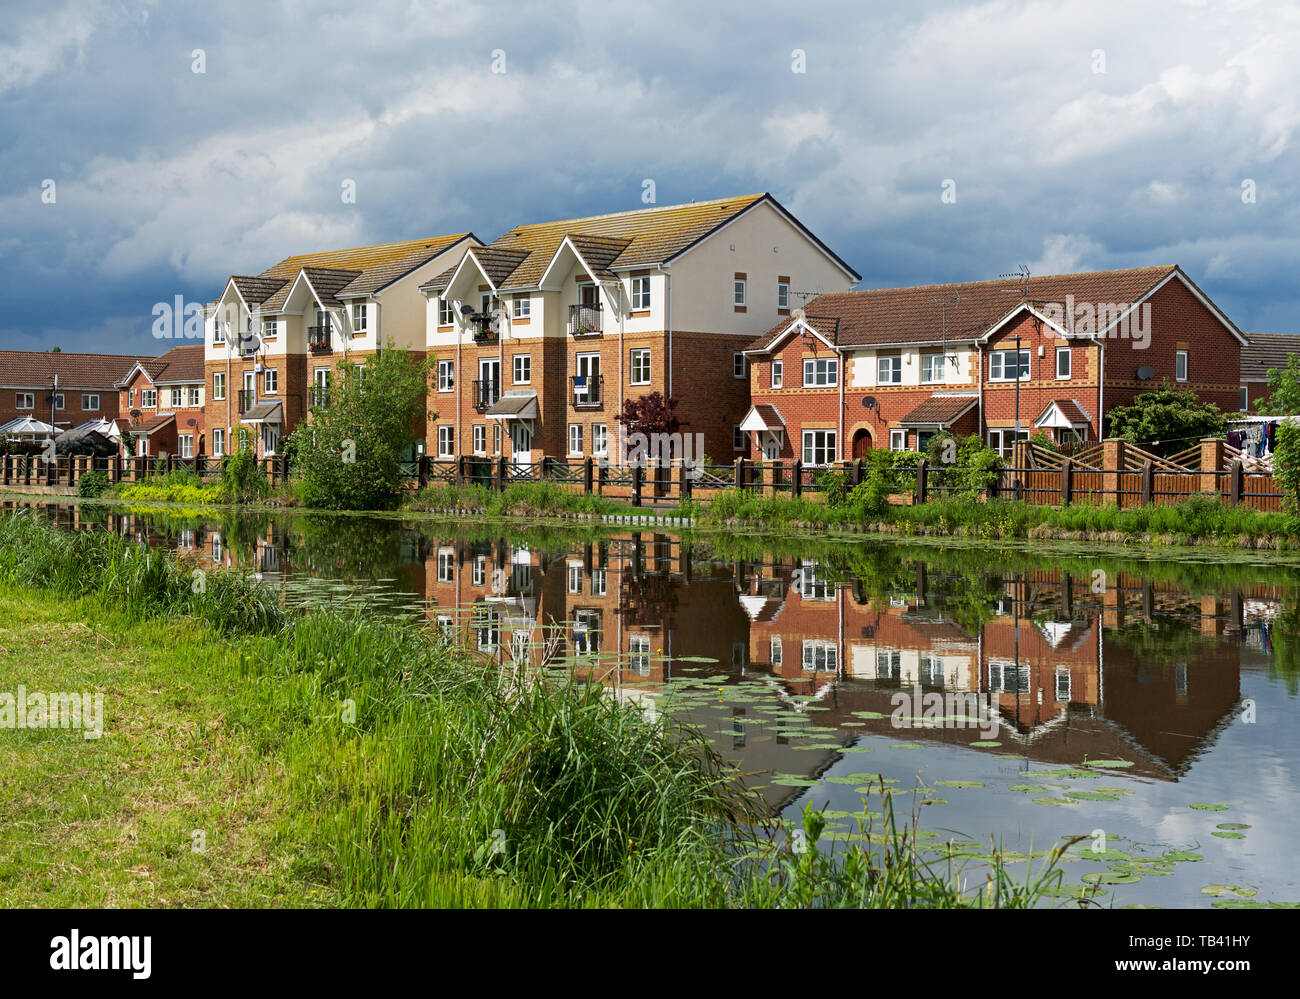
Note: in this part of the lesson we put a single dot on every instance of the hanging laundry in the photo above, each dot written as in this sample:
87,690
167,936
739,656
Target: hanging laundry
1234,439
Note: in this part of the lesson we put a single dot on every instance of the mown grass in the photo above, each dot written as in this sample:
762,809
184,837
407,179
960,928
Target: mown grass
1195,520
351,760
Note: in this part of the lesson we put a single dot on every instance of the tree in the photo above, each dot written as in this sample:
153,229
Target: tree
350,452
1166,420
650,414
1284,400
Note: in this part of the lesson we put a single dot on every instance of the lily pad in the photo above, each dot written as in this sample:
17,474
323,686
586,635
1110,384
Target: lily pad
1232,825
1107,764
1091,796
1219,890
1202,806
1110,878
1028,788
1228,835
1183,855
959,784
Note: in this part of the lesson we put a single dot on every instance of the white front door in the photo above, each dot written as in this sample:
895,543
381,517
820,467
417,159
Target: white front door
521,442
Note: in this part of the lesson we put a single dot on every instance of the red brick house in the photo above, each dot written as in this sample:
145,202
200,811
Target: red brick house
162,402
1264,353
890,368
63,390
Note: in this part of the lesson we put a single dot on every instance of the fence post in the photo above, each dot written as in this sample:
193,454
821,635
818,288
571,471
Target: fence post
4,470
1112,464
587,466
1148,482
462,475
1067,481
638,473
923,481
422,470
684,478
501,473
796,478
1212,457
1235,483
740,473
855,474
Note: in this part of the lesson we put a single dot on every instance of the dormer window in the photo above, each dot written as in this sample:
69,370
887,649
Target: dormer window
445,317
359,313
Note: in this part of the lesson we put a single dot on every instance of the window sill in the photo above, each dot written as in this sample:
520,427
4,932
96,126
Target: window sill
739,308
639,314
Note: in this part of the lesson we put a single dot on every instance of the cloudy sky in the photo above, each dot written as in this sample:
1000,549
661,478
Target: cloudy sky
1078,134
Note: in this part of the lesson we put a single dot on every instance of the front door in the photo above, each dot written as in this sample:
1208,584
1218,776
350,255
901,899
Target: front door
771,446
861,444
521,442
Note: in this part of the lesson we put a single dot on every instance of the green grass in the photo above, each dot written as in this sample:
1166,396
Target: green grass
350,760
519,499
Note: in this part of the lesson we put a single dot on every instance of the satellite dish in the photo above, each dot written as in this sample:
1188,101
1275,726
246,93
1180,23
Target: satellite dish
135,414
869,401
191,422
467,310
1146,373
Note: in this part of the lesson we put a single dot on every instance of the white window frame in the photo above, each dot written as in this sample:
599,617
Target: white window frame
89,401
739,364
1243,403
638,654
446,376
446,566
521,308
739,291
774,650
641,293
575,438
821,372
898,440
445,315
218,334
478,438
931,361
1069,364
59,400
185,445
360,317
574,581
827,447
524,361
599,438
820,656
218,442
639,364
178,398
783,294
446,441
218,385
1180,361
25,400
270,381
778,373
1000,357
270,329
894,362
738,442
148,398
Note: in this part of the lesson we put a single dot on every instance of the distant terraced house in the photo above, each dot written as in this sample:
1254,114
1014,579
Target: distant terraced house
162,402
274,339
890,368
45,393
541,335
1264,353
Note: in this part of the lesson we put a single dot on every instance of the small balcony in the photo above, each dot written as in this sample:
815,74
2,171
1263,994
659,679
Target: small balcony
586,393
319,340
247,399
486,393
585,320
483,331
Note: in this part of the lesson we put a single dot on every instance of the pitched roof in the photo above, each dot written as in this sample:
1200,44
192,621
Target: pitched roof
1069,408
36,369
179,365
153,423
370,269
1266,351
955,312
620,240
940,409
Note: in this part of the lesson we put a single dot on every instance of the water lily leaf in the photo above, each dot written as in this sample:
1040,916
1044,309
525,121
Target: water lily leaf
959,784
1232,825
1053,801
1202,806
1228,835
1182,855
1218,890
1110,878
1238,903
1107,764
1028,788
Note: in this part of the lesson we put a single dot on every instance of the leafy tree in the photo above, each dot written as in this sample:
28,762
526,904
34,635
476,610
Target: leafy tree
650,414
350,453
1284,399
1166,420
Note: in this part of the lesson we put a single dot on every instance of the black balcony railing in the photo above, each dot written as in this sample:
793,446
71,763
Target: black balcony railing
486,393
483,331
586,393
318,339
584,320
247,399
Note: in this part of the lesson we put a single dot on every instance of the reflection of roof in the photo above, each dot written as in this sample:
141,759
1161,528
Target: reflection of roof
940,410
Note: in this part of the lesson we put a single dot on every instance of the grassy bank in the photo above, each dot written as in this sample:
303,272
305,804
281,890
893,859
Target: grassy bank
519,499
346,760
1196,521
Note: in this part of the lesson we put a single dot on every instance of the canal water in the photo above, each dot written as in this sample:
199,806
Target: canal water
1008,697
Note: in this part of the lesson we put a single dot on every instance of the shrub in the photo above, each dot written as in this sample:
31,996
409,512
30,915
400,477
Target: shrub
92,484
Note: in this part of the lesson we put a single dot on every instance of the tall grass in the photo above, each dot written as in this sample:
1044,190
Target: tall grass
519,499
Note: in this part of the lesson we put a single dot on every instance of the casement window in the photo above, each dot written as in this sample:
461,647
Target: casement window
523,308
1002,366
737,438
445,315
186,444
148,398
599,582
446,376
818,447
1063,683
446,442
523,369
496,438
889,664
195,396
1063,362
783,294
575,577
821,371
778,372
639,654
478,571
640,367
270,329
178,398
25,400
586,382
1244,405
599,438
575,438
640,294
270,381
738,292
819,655
479,435
1004,441
218,331
889,369
1180,366
739,365
89,402
219,385
218,442
898,440
359,315
58,400
1008,678
774,650
932,367
446,567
